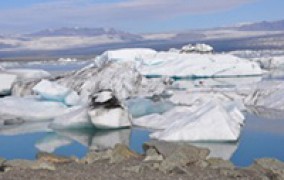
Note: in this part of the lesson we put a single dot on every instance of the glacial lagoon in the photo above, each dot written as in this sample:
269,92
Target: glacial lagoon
262,135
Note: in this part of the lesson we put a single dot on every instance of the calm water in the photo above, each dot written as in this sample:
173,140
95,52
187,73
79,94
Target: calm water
262,136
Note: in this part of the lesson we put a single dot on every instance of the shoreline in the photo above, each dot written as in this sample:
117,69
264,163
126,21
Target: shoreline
162,160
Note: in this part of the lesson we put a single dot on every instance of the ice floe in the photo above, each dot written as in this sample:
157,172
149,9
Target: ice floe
7,81
28,73
267,94
31,108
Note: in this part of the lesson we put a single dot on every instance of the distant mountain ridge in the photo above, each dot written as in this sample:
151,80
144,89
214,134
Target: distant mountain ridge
87,32
263,26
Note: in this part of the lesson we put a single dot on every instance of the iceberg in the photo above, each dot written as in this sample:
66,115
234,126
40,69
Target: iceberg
7,81
25,128
131,54
77,118
107,112
32,108
210,122
177,65
268,95
29,73
54,92
198,65
110,118
141,106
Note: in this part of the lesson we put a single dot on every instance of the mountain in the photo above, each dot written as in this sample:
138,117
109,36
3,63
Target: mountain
263,26
85,32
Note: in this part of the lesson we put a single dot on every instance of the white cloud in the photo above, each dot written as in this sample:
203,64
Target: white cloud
88,13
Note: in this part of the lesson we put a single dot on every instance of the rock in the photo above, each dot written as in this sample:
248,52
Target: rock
273,168
121,153
177,155
52,158
153,155
217,163
2,161
27,164
94,156
134,169
7,121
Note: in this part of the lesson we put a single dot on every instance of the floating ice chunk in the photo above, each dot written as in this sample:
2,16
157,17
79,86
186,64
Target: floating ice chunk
31,109
25,128
51,142
110,118
268,94
211,122
29,73
125,55
141,106
77,118
51,91
6,82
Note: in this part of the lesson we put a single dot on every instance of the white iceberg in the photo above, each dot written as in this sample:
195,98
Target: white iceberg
28,73
110,118
184,65
31,108
77,118
25,128
267,94
198,65
55,92
211,122
133,54
7,81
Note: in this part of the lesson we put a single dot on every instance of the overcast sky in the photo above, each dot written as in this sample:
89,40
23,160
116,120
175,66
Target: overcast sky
143,16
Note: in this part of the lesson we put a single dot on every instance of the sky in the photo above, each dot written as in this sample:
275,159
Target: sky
137,16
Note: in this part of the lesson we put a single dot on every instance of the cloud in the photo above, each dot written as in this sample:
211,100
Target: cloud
108,13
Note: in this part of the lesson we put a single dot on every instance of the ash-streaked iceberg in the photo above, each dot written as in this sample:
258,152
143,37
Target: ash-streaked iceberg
267,94
107,112
6,84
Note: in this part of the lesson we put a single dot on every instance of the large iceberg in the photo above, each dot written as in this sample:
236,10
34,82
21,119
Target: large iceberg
7,81
185,65
31,108
210,122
